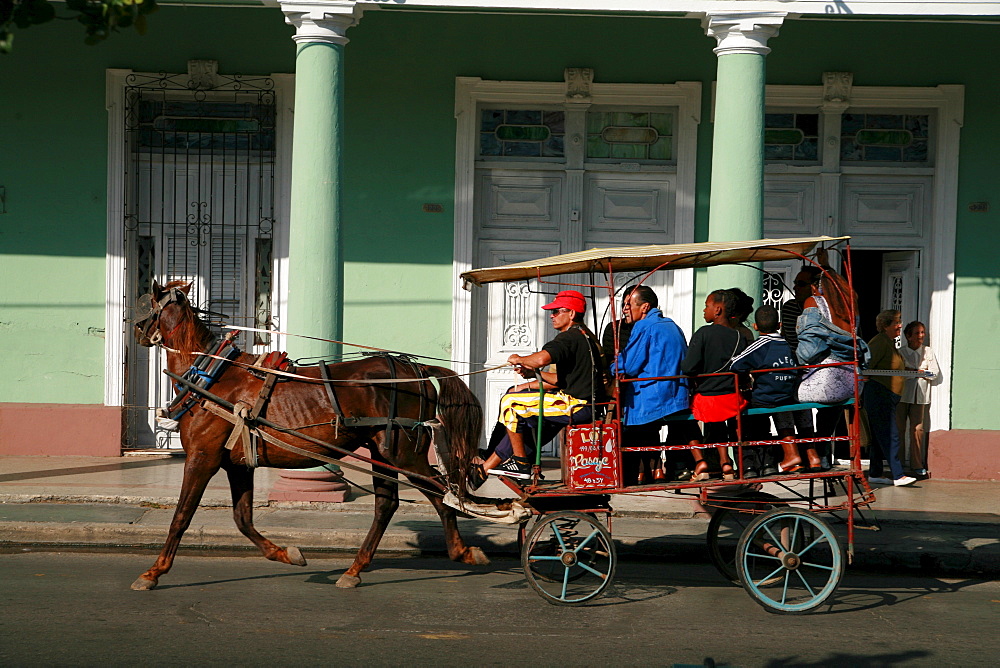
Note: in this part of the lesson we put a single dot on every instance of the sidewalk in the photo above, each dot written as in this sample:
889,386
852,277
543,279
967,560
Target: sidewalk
940,528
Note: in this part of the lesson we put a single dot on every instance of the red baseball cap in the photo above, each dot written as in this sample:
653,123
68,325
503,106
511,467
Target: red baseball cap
570,299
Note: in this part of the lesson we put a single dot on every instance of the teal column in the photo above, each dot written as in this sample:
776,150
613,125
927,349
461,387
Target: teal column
736,205
315,256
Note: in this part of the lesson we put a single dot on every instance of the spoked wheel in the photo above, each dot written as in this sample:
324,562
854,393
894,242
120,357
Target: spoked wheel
727,525
568,558
789,561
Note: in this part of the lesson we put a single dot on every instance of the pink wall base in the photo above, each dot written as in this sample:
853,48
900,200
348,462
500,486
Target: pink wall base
60,429
964,454
310,485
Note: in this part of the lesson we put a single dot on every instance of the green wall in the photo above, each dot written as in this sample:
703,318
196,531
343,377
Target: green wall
400,153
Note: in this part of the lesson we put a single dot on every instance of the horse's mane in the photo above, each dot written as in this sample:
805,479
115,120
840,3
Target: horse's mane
192,335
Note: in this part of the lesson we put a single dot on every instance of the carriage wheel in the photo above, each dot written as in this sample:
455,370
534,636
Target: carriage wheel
789,561
727,526
568,558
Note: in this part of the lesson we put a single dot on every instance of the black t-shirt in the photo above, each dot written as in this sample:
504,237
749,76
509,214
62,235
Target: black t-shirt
575,354
711,349
608,340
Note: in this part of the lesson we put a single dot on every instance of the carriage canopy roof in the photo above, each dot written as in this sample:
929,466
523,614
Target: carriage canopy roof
648,258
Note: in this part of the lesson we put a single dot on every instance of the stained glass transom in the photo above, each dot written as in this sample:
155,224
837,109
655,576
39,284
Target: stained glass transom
182,125
522,133
885,138
630,135
791,137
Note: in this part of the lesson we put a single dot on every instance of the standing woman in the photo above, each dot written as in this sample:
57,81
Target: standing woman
917,393
881,397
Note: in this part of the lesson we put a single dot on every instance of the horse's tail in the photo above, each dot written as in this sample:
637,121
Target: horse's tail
462,416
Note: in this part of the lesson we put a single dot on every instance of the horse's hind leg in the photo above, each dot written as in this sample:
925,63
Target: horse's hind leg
386,503
241,486
199,467
457,549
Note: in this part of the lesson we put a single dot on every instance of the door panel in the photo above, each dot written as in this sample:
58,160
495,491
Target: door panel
790,206
885,206
519,206
637,207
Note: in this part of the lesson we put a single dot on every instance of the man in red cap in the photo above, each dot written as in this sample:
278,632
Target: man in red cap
571,390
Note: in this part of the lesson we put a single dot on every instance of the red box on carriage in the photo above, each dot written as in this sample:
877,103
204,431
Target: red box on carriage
591,460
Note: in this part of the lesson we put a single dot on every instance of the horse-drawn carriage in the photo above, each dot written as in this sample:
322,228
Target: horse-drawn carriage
248,413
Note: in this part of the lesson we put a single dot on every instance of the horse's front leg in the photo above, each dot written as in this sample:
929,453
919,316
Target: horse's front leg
386,503
241,487
199,467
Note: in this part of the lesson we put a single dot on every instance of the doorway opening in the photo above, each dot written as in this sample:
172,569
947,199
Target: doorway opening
886,279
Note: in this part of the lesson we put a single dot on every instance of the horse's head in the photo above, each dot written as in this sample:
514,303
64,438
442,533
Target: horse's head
161,312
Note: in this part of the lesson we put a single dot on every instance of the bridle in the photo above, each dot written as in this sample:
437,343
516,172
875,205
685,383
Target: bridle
150,329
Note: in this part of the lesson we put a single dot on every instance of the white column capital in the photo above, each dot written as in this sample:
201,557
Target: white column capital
743,32
321,20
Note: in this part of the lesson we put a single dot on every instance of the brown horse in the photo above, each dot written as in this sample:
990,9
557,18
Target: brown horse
307,407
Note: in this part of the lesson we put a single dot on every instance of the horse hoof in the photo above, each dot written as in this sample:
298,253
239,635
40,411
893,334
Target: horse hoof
143,584
476,557
295,557
348,581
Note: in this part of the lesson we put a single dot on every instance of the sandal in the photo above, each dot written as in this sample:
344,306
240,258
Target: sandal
731,475
699,475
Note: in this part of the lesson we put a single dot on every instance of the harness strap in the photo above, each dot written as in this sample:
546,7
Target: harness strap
390,441
246,416
221,412
338,413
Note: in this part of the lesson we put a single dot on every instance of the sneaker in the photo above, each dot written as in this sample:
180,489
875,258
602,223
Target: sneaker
880,481
904,481
921,472
513,469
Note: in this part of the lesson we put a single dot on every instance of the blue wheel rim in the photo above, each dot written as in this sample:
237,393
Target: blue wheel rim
804,540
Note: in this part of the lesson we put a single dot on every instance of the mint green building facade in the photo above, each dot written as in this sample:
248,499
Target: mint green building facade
389,190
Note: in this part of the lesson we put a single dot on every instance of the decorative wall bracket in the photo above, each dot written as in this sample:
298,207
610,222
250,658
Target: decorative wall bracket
837,90
579,81
203,74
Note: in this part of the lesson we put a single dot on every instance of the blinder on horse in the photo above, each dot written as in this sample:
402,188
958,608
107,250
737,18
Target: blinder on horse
146,313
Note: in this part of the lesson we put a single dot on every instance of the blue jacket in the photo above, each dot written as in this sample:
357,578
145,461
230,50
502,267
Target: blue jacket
655,347
773,388
819,338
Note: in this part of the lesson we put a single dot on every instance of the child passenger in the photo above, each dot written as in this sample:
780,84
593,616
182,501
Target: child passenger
716,399
775,387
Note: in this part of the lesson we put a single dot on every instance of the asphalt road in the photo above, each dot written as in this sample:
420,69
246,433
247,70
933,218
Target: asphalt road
76,609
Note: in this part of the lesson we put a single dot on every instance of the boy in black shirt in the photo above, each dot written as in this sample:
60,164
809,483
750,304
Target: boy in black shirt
716,398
